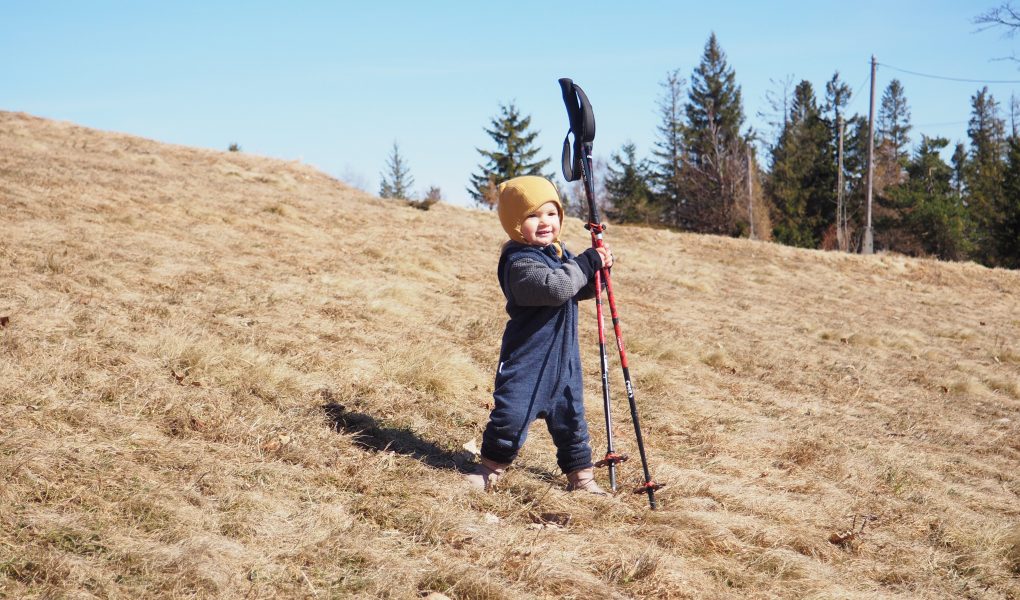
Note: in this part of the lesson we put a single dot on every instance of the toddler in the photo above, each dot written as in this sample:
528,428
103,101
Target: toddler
539,373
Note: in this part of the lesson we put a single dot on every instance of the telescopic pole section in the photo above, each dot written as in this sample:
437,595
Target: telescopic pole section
649,486
596,228
611,458
610,452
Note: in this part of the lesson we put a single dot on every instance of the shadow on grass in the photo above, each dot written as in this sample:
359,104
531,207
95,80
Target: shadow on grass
371,435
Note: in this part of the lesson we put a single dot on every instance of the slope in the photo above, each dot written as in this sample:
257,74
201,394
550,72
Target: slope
224,375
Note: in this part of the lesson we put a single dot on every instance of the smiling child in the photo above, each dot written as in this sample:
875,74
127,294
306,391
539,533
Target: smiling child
539,373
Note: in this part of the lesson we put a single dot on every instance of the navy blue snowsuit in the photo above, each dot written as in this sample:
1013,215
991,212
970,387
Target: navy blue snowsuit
539,374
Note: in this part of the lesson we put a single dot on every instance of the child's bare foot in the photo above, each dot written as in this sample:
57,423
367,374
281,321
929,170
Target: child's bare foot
486,474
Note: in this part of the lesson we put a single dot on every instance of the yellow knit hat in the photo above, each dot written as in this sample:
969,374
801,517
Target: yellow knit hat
519,197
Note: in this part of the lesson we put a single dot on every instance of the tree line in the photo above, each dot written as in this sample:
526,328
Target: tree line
804,182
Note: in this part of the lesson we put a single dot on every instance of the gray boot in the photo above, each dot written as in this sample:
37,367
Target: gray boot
584,479
486,473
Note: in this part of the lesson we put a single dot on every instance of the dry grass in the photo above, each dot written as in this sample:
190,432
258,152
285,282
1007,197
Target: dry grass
178,319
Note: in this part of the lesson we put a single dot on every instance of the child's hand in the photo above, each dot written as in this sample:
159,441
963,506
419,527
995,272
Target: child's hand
607,256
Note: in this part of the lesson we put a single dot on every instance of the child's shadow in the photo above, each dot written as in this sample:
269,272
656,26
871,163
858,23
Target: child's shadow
369,434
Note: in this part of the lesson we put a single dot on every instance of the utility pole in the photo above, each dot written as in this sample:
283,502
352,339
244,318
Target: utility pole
750,192
840,203
868,246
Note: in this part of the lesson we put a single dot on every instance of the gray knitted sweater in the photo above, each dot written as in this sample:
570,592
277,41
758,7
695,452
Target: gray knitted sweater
542,289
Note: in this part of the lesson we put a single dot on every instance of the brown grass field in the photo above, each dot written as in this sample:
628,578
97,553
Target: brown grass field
173,322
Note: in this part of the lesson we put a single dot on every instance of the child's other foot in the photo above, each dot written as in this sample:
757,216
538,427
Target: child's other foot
584,479
486,474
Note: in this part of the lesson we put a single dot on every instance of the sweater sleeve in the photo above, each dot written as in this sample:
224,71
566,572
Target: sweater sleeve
533,283
588,291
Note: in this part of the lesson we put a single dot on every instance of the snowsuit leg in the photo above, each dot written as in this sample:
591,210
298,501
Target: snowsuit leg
507,429
569,430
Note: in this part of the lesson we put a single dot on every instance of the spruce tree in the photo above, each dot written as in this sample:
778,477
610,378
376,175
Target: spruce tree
932,218
837,97
714,109
627,188
514,155
983,174
715,165
894,122
1007,230
397,179
803,178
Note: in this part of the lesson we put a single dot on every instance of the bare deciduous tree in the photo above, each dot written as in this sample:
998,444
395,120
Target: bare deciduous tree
717,184
1005,15
778,98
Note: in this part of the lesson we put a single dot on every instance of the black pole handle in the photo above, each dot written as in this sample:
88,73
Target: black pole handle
582,119
582,125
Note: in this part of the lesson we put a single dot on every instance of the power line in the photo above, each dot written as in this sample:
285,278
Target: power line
853,99
888,66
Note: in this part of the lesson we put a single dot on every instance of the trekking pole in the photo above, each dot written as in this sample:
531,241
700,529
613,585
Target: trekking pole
577,164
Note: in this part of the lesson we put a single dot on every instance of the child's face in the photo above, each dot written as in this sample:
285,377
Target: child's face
542,227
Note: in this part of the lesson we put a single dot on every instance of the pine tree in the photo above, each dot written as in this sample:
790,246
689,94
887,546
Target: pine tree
397,179
983,174
715,164
803,176
894,122
514,155
668,152
627,188
892,157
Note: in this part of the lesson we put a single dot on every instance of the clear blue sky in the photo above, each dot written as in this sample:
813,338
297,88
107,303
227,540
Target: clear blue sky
334,84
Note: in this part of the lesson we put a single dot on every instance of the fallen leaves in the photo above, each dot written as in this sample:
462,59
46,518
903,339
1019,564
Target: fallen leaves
180,379
847,538
555,521
276,443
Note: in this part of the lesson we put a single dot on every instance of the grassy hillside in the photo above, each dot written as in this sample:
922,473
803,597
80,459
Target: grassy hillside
177,320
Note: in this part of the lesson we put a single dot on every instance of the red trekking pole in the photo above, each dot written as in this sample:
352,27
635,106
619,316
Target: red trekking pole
578,165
